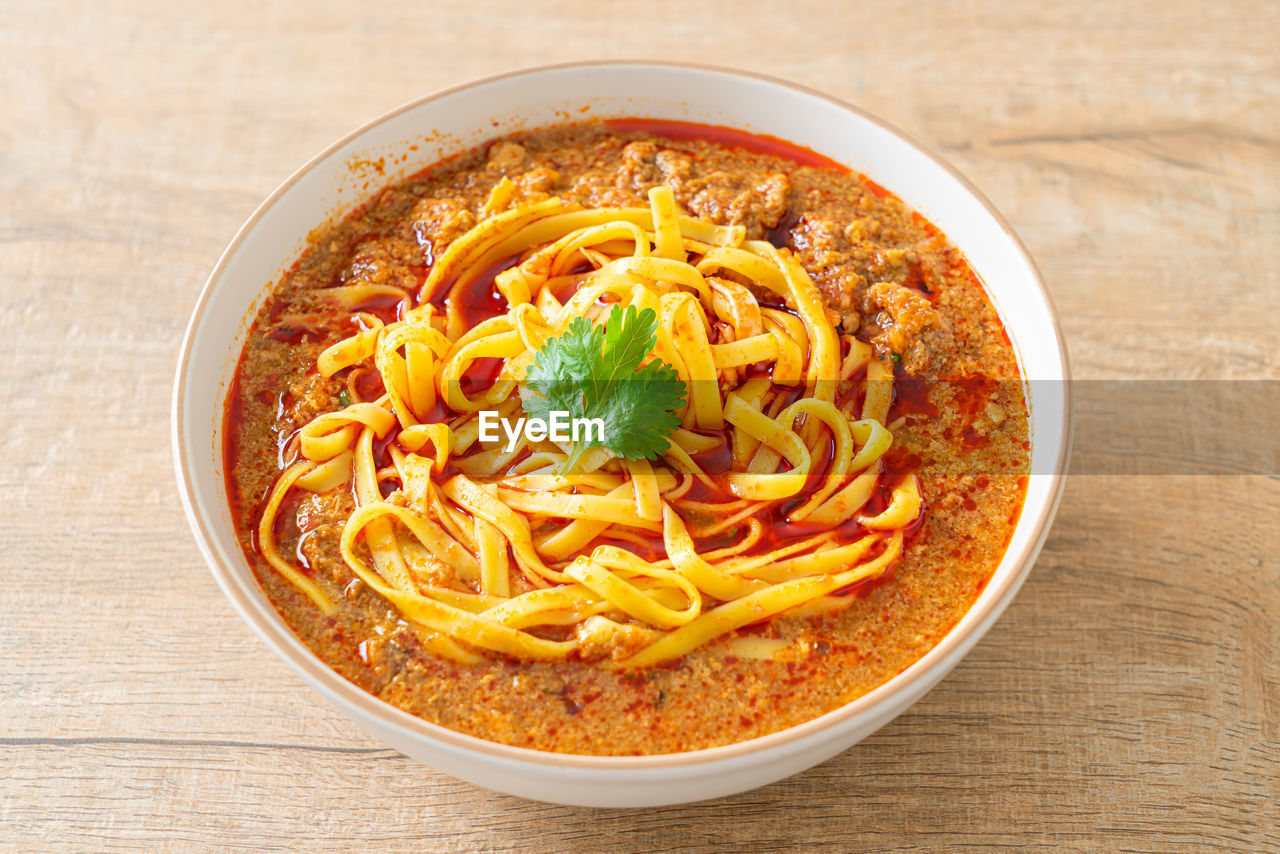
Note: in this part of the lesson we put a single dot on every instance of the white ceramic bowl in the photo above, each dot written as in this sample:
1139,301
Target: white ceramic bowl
423,132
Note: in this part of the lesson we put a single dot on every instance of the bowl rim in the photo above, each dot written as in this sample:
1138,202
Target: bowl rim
354,700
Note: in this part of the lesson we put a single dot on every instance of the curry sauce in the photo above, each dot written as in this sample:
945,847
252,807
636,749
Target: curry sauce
959,419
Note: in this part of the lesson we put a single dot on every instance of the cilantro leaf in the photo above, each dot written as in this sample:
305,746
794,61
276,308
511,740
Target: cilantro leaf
595,372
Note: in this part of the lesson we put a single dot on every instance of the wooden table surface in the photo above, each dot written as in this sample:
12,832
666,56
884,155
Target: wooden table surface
1128,700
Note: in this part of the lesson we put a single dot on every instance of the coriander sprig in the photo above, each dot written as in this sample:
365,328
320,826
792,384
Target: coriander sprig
595,372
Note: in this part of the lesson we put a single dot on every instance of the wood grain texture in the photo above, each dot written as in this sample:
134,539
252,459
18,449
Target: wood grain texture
1128,700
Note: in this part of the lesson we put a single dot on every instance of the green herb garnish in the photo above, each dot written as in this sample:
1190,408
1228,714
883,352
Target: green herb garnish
595,372
344,397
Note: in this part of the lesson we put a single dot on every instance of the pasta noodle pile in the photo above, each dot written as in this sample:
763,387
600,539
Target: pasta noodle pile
489,550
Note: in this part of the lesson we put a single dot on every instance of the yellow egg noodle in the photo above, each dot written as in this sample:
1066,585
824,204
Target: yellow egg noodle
485,549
